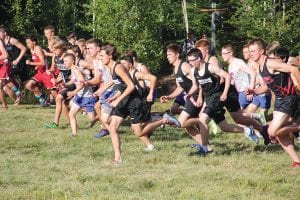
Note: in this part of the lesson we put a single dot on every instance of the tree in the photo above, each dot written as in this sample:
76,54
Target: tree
268,20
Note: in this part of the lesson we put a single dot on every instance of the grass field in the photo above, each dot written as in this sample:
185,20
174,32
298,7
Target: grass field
40,163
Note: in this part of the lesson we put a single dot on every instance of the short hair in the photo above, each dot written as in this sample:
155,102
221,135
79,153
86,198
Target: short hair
81,40
259,42
75,49
3,28
196,53
111,50
228,47
70,55
50,27
95,41
271,47
31,37
202,43
282,53
131,53
175,48
127,58
245,46
71,35
59,44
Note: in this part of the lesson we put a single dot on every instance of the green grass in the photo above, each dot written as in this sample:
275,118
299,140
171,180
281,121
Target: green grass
38,163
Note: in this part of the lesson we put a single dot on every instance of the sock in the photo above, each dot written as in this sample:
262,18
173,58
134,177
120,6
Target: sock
205,148
255,115
16,91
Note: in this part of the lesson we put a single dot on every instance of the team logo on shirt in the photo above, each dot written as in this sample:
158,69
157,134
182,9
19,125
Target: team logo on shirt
205,81
179,80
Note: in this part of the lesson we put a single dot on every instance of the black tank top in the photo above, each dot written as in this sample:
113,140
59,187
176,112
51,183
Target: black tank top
66,73
281,84
13,52
209,83
182,80
119,83
139,90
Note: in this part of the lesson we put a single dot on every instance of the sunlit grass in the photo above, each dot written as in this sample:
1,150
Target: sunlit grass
40,163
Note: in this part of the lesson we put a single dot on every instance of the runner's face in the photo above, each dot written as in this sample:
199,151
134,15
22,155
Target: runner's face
204,51
255,52
48,34
172,56
126,64
246,53
2,35
58,51
92,50
104,57
29,43
226,54
194,61
68,61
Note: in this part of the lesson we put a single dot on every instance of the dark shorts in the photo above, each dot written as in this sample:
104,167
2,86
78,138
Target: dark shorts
296,114
20,71
191,109
63,92
135,107
286,104
232,103
180,99
214,108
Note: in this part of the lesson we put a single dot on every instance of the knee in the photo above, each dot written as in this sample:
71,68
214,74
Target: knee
271,132
58,98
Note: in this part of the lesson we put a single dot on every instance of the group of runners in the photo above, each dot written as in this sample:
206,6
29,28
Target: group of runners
89,76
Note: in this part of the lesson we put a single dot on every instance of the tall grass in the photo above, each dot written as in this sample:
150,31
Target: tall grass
40,163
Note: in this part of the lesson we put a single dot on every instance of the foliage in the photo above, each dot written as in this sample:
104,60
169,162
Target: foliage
137,25
148,26
264,19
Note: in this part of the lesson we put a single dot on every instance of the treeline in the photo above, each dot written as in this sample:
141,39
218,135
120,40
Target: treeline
148,25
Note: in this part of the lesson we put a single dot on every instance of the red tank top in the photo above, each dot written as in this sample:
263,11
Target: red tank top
35,58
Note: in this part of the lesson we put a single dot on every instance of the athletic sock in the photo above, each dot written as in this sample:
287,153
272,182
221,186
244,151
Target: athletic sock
16,91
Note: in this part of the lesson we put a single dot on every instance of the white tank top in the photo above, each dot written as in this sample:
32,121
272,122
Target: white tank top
241,79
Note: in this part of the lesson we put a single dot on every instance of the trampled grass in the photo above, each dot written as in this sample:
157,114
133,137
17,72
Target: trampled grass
40,163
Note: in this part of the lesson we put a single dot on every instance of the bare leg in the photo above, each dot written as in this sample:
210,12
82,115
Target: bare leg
73,112
279,119
240,118
114,135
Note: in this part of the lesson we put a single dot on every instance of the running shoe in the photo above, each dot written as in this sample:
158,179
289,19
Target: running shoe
150,148
200,150
171,120
51,125
44,103
102,133
295,165
250,134
19,98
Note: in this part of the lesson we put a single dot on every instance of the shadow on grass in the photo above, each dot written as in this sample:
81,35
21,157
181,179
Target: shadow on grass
229,148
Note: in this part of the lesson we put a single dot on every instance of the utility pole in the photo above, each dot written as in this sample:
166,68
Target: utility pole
94,17
215,12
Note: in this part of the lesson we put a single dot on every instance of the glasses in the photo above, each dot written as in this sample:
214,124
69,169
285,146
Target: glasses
193,60
226,52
